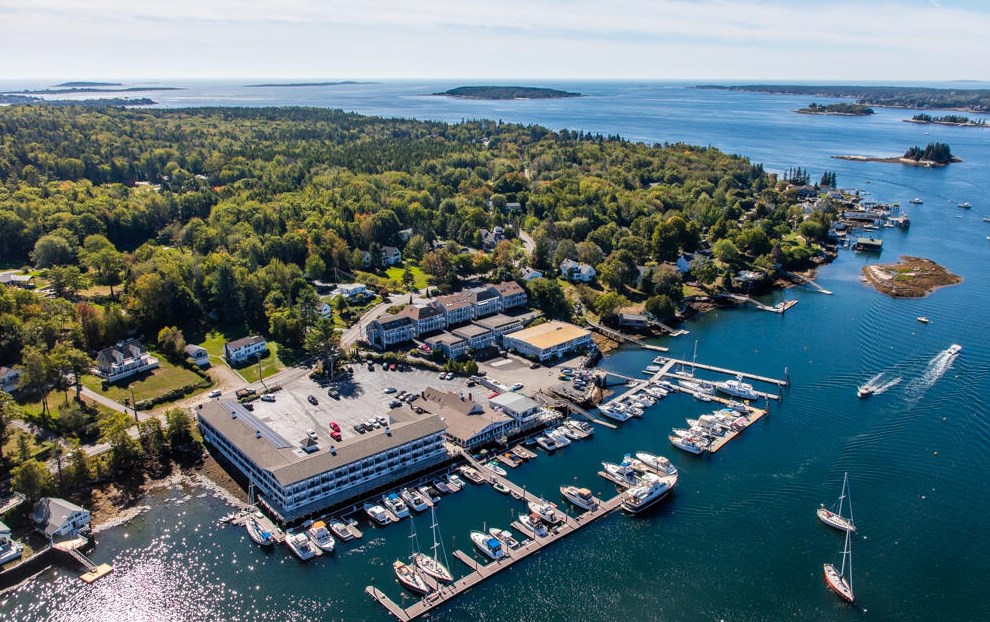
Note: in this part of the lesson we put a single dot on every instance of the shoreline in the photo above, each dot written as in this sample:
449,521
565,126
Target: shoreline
896,160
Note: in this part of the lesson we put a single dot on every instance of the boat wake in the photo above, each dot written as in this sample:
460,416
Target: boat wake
878,384
937,366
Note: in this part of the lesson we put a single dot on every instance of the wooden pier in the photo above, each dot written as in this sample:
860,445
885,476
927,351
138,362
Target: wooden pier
721,370
93,571
622,337
754,415
482,571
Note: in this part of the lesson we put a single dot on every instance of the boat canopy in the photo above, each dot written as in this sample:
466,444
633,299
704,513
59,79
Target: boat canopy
584,492
494,544
393,496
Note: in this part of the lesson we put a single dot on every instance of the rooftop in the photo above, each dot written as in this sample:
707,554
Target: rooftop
245,341
496,321
464,417
549,334
470,330
517,402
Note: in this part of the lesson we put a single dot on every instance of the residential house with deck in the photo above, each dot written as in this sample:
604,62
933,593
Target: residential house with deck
124,360
244,349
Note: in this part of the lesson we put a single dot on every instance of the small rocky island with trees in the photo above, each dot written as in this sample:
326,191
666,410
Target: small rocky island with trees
957,120
931,156
506,92
911,277
840,109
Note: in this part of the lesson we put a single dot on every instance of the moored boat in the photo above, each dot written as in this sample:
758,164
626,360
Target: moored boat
532,524
523,453
838,580
491,547
505,536
431,564
622,474
737,388
429,492
652,488
580,497
558,437
689,444
546,443
396,505
301,546
409,578
657,463
321,537
257,533
500,487
835,518
545,510
612,412
494,468
472,475
442,486
454,482
414,499
377,513
340,530
582,426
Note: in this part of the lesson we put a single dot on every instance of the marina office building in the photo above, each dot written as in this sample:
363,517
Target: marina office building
300,477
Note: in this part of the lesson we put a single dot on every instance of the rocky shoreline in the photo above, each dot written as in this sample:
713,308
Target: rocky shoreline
911,277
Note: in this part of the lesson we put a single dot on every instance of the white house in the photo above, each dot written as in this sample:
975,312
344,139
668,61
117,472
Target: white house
9,377
390,256
579,272
244,349
198,354
530,274
351,291
58,518
123,360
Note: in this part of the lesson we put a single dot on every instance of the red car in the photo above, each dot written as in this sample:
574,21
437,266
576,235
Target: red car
336,436
391,367
334,426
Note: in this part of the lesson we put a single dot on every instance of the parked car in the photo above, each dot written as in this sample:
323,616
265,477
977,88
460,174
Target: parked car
390,390
534,366
359,428
214,393
334,393
373,423
391,367
336,436
267,397
312,400
412,397
248,406
311,434
394,404
382,419
334,426
442,375
516,386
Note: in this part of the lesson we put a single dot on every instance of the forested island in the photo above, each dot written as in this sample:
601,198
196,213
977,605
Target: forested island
71,84
842,109
932,155
304,84
129,89
28,100
972,100
506,92
949,119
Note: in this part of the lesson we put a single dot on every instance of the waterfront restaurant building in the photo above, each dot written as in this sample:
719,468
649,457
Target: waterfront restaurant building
299,477
547,341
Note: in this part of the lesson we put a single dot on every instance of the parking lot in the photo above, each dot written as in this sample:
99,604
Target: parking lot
511,369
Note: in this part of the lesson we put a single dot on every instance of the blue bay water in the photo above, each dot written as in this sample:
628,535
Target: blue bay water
739,539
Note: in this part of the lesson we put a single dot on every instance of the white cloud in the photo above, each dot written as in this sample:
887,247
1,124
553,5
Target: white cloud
509,38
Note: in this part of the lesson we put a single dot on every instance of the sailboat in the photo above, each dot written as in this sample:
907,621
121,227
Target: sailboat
836,519
407,574
431,564
840,582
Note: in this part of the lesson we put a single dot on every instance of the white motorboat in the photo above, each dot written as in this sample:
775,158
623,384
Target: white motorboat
545,510
558,437
546,443
454,482
409,578
429,492
10,550
954,349
652,369
414,499
635,411
257,533
657,463
301,546
472,476
838,580
505,536
442,486
571,433
835,518
395,503
916,201
532,524
321,537
623,474
737,388
739,407
377,513
583,426
495,468
340,530
580,497
489,546
689,444
612,412
652,488
431,564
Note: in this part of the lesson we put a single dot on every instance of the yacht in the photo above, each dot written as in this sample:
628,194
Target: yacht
635,411
532,524
454,482
409,578
965,205
613,412
839,580
320,536
835,519
505,536
580,497
471,475
10,550
571,433
395,503
300,545
737,388
442,486
429,492
545,510
739,407
689,444
378,514
257,533
414,499
494,468
623,474
491,547
431,564
657,463
652,489
558,437
546,443
583,426
340,530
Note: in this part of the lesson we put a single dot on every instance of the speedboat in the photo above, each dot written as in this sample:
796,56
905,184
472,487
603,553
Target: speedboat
257,533
657,463
582,426
340,530
301,546
320,536
429,492
409,578
923,319
414,499
865,391
580,497
623,474
635,411
916,201
546,443
532,524
523,453
442,487
737,388
954,349
454,482
689,444
500,487
571,433
491,547
505,536
965,205
494,468
545,510
377,513
652,489
558,437
512,458
471,475
395,503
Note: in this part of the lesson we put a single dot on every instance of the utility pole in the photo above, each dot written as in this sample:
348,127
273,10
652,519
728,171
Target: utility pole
261,376
134,406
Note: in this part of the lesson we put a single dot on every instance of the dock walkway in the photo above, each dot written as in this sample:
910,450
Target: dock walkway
722,370
622,337
807,281
480,571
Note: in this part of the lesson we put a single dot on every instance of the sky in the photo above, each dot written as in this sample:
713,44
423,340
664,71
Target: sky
855,40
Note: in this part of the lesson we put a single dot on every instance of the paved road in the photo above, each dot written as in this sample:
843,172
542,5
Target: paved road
351,335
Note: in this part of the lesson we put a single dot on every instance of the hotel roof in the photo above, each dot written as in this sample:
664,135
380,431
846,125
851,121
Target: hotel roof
550,334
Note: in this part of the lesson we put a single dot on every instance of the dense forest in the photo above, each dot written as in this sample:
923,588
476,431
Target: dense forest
227,215
858,110
933,152
974,100
948,119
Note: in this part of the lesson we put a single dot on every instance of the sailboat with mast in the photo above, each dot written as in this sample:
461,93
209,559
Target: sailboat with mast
407,574
841,581
431,564
835,518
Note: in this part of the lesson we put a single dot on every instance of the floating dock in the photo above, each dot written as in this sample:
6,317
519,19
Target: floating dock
481,571
93,571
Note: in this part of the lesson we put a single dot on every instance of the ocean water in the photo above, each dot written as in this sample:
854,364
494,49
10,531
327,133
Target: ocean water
739,540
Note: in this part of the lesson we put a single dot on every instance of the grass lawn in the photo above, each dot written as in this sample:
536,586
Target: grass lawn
146,386
421,279
36,450
270,365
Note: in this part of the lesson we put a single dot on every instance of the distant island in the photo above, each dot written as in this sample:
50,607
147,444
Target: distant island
104,102
911,277
841,109
971,100
129,89
299,84
506,92
934,155
957,120
71,84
